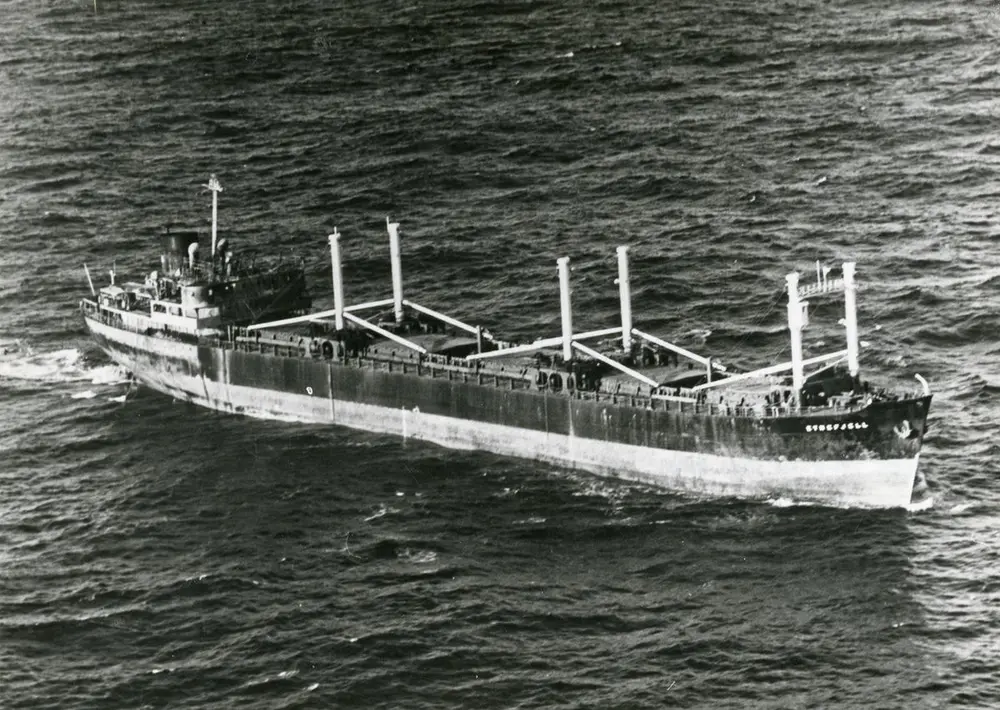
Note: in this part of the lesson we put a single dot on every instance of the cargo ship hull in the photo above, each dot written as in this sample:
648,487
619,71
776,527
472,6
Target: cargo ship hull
861,457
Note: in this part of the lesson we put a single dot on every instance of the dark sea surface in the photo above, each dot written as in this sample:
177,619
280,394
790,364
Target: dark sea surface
155,555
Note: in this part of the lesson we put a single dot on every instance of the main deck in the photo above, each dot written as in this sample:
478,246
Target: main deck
522,376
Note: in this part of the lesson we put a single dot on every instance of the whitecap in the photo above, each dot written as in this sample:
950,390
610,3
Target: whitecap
924,504
21,362
420,557
55,366
377,514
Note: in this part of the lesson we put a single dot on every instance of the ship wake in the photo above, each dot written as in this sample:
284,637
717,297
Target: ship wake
20,362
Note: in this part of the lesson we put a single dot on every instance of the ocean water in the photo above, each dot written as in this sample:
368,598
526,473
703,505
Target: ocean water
157,555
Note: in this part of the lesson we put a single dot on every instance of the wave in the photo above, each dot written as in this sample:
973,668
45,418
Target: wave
20,362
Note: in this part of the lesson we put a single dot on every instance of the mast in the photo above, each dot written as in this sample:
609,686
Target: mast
795,324
625,296
338,281
216,188
397,269
851,318
566,308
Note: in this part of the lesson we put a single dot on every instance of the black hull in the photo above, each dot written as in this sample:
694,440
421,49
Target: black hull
461,404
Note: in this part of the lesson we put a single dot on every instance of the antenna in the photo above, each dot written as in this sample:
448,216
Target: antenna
89,280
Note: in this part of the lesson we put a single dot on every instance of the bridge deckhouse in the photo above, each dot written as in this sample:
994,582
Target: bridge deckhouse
194,311
139,306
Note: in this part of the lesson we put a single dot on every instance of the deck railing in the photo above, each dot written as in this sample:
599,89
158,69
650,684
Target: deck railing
387,359
456,369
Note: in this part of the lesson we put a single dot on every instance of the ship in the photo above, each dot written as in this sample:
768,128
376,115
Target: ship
238,333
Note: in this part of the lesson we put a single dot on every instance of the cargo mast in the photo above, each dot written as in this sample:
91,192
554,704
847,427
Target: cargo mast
851,318
338,281
565,296
796,322
625,296
216,188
